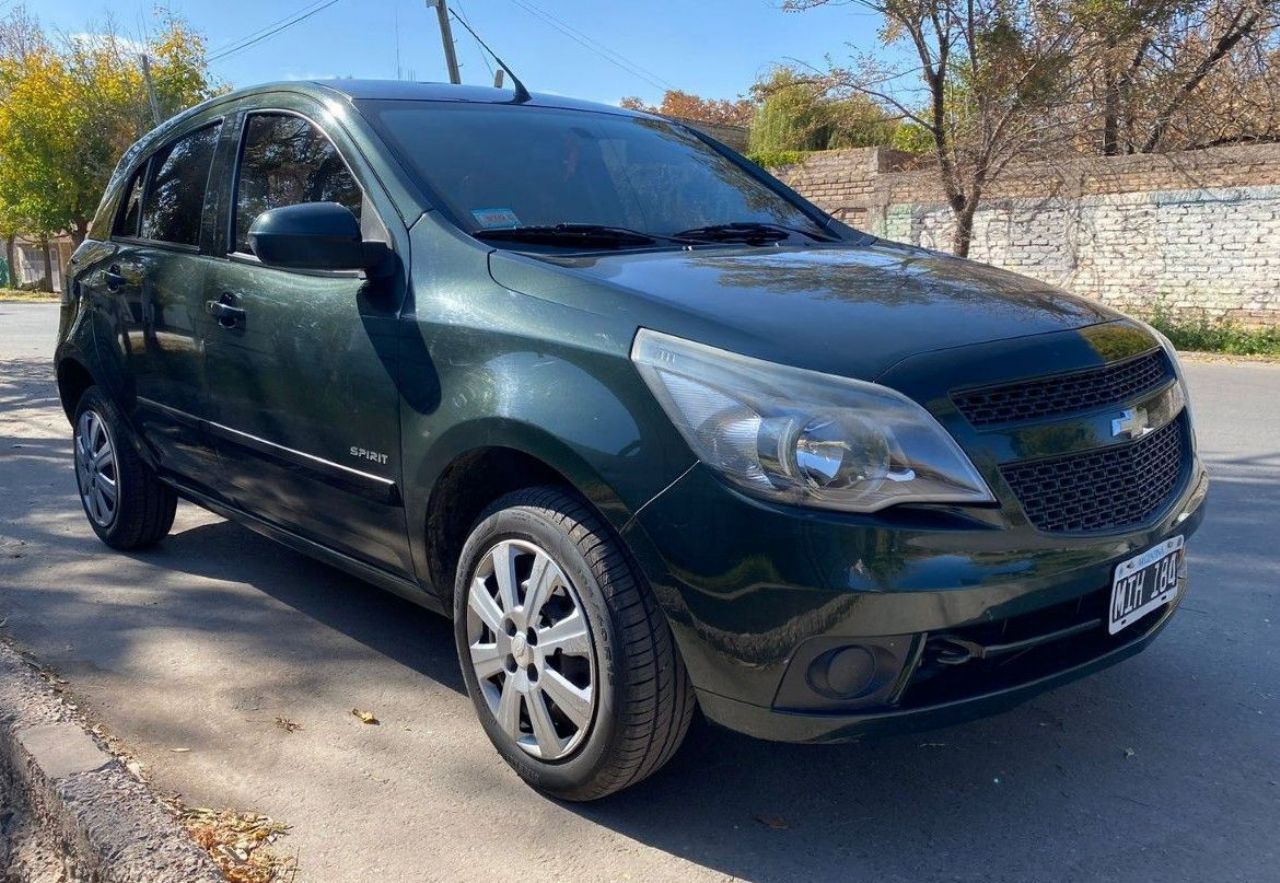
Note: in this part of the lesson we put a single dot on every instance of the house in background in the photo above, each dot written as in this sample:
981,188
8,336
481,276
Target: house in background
29,262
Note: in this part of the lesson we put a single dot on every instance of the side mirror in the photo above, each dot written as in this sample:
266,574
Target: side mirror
313,236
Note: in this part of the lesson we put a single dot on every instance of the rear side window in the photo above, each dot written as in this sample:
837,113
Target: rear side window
131,208
174,200
286,160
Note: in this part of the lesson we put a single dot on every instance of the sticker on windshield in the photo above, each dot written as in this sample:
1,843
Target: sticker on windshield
490,218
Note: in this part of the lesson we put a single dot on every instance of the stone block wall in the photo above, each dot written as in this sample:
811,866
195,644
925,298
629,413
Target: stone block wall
1194,234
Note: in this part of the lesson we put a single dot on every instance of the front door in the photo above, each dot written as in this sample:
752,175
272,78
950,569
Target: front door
301,365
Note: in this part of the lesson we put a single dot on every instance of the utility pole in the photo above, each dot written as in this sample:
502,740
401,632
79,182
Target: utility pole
446,36
151,88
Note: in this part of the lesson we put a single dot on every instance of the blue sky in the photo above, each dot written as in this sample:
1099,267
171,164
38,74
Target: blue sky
715,48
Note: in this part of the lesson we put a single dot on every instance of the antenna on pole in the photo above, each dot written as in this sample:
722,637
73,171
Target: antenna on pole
446,37
522,94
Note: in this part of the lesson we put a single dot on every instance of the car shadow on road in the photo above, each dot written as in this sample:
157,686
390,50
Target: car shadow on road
389,625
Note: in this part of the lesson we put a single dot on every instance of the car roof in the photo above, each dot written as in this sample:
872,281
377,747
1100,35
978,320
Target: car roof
400,90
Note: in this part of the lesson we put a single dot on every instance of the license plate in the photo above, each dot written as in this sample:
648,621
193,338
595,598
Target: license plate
1144,582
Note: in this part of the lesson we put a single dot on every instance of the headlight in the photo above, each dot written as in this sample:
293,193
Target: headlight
803,437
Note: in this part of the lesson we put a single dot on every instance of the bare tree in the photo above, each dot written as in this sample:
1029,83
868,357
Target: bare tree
982,74
1157,57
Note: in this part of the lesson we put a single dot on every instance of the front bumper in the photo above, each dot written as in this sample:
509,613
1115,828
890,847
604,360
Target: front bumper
756,592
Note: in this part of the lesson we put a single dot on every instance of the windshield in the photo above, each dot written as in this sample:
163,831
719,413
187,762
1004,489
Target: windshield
505,166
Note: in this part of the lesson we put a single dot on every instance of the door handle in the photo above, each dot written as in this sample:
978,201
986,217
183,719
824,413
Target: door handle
115,279
225,311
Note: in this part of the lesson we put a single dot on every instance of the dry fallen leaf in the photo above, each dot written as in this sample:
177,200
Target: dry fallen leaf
289,726
773,823
366,717
234,841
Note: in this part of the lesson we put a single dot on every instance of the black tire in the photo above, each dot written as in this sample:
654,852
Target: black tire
144,505
644,701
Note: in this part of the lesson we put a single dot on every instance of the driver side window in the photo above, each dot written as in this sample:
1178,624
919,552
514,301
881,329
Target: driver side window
285,160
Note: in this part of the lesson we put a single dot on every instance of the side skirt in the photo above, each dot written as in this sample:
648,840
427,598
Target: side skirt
397,585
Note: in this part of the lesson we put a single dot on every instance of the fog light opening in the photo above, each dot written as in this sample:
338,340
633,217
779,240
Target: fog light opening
844,673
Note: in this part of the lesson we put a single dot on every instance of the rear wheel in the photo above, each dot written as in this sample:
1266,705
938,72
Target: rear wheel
128,507
570,664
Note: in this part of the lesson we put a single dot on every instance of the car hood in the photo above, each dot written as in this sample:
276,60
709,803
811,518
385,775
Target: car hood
848,310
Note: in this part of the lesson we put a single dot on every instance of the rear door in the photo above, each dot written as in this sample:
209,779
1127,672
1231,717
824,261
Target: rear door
303,374
155,283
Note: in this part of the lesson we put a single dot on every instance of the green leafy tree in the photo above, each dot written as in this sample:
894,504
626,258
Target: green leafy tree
71,109
800,111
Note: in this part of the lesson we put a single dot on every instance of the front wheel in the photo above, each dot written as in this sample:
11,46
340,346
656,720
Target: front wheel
570,664
128,507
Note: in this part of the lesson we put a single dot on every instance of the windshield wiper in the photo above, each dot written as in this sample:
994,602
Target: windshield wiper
601,235
749,231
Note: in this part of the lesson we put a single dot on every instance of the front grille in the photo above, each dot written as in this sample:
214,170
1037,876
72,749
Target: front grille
1062,394
1102,489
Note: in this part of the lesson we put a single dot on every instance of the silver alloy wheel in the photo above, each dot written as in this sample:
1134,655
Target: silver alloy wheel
96,470
531,649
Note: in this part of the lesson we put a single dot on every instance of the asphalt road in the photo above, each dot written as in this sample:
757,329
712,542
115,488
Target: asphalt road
1165,767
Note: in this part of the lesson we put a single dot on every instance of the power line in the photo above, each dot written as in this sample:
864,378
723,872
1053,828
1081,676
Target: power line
602,47
595,46
484,56
271,30
233,44
615,58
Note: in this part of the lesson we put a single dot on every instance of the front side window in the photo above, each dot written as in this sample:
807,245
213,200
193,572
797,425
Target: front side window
285,160
131,207
174,200
498,166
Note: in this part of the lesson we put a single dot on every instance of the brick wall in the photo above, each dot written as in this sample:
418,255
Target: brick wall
1196,233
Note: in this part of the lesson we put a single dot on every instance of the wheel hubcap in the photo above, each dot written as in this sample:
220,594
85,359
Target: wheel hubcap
96,471
531,649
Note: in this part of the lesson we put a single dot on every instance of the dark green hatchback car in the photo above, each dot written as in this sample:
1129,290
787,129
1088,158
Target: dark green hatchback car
657,434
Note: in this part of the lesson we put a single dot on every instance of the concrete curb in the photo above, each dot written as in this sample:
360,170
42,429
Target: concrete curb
107,825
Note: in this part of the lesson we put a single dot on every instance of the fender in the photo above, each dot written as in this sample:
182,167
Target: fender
519,436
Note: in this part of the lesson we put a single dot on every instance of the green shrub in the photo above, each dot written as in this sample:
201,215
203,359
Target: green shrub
772,159
1217,335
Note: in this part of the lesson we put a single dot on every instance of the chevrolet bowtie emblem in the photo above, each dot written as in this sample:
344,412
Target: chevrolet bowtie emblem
1132,423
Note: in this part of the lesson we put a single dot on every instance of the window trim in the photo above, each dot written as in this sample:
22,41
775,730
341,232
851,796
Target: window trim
144,169
234,206
138,238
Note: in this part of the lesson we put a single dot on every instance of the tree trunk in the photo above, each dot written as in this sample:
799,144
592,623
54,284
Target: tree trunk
48,264
963,234
1111,114
1110,100
10,254
79,230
